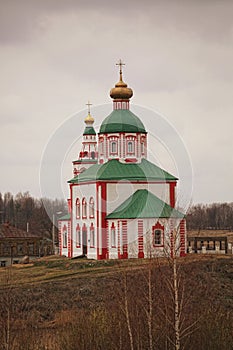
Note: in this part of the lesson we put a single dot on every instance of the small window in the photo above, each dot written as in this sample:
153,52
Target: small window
64,233
101,147
158,234
6,248
77,208
84,208
113,236
19,248
31,248
91,207
130,147
142,148
92,236
78,236
157,237
113,147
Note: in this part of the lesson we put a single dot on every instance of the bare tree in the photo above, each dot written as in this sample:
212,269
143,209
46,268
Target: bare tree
126,311
176,286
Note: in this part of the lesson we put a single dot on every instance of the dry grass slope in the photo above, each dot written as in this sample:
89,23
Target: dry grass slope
62,304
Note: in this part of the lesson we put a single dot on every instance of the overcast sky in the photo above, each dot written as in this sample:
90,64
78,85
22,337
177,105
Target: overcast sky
57,54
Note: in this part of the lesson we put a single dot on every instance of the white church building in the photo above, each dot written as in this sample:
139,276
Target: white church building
121,205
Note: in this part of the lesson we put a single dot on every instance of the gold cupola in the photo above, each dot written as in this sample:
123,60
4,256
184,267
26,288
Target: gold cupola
121,90
89,120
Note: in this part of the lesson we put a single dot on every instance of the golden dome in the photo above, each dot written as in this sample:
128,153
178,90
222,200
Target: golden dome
121,91
89,120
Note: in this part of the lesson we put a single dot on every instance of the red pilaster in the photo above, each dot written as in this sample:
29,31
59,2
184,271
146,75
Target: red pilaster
70,241
104,222
183,237
97,222
118,239
59,237
70,225
124,239
171,238
140,239
172,186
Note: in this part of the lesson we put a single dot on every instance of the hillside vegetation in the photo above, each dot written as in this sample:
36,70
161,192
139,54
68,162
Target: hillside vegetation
63,304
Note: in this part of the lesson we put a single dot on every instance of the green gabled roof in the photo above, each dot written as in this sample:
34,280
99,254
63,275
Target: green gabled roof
121,120
144,204
64,218
89,130
115,170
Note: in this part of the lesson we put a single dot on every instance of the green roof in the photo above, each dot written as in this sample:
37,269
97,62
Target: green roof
89,130
64,218
121,120
115,170
85,160
144,204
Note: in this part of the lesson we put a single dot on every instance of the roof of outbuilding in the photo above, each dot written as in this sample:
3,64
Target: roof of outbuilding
144,204
8,231
115,170
121,120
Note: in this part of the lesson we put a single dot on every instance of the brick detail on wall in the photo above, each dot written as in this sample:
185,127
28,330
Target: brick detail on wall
124,239
182,237
70,245
59,237
140,239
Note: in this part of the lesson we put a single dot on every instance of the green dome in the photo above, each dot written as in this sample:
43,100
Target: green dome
121,120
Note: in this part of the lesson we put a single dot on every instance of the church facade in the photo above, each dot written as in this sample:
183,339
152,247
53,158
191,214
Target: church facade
121,205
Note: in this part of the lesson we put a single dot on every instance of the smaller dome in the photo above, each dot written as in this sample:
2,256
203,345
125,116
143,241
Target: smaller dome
89,120
121,91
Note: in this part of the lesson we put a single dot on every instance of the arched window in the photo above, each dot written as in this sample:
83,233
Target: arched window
84,208
158,234
92,236
113,235
157,237
101,146
77,208
78,236
113,147
64,234
142,148
91,208
130,147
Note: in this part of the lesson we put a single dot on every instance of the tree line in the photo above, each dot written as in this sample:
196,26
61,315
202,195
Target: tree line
23,211
215,216
22,208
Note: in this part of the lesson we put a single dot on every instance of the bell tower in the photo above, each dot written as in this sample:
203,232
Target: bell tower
88,155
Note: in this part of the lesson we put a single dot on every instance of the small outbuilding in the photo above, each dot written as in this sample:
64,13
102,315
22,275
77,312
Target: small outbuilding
16,244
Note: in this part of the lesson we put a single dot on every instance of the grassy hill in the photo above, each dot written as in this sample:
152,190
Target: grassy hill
62,304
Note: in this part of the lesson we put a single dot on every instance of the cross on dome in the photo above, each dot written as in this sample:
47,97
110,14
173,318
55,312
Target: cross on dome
89,104
89,120
121,90
120,64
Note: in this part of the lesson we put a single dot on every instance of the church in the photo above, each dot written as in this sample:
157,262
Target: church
121,205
